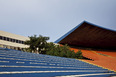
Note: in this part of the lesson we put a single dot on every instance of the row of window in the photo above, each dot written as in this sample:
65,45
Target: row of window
11,40
11,47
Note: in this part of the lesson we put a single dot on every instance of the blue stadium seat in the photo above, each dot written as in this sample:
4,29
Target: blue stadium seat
17,63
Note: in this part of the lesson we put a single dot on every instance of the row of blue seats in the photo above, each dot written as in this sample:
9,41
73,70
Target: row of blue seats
39,57
13,61
38,65
63,62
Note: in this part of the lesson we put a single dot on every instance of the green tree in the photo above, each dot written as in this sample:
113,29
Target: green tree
79,54
37,44
62,51
40,45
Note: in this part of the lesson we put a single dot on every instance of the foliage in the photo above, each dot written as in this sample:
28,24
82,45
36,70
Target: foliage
27,49
40,45
79,54
63,51
37,44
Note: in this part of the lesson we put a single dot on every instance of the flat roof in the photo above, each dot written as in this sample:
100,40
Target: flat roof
14,36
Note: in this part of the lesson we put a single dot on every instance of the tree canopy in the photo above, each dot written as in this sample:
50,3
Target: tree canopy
37,44
63,51
40,45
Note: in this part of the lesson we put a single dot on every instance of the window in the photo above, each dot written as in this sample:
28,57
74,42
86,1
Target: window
11,40
16,41
22,42
0,37
19,41
4,38
8,39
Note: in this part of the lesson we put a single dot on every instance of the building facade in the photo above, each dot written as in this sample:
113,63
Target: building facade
12,41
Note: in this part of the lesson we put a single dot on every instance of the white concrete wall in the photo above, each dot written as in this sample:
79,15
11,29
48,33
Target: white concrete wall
13,36
13,44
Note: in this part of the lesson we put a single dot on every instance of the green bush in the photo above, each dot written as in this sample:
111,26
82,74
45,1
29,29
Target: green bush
63,51
79,54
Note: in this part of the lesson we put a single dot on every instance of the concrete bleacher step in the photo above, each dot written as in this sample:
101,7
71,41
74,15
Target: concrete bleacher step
92,75
17,63
55,73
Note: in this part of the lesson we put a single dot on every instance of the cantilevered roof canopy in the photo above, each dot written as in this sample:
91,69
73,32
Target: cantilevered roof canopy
89,35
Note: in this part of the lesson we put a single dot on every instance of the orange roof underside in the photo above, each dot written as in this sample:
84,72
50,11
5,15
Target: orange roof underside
106,59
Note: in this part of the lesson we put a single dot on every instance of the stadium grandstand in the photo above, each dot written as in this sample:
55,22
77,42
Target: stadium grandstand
97,44
14,63
12,41
91,39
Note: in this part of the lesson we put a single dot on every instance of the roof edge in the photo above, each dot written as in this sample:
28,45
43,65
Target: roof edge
100,26
65,35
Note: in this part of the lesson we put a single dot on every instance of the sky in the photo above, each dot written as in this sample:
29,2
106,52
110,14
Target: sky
54,18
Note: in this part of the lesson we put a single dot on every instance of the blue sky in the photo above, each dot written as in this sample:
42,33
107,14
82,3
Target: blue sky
54,18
